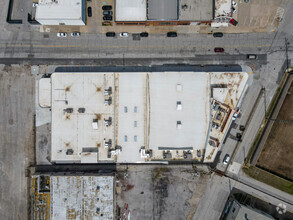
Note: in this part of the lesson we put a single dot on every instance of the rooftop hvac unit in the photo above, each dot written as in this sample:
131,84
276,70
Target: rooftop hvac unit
145,153
68,110
179,106
107,144
95,124
108,122
167,155
108,91
69,152
179,125
108,101
81,110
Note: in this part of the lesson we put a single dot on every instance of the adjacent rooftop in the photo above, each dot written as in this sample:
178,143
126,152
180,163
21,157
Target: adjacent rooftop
164,10
130,10
73,197
61,12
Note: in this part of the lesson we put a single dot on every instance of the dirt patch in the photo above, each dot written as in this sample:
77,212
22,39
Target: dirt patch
277,152
159,192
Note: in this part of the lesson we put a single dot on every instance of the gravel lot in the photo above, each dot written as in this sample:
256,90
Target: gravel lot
16,139
160,192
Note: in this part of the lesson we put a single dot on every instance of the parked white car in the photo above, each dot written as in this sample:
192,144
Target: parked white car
226,159
35,5
236,113
124,34
61,34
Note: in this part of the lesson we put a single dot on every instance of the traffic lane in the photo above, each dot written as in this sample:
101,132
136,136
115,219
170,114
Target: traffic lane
94,50
202,64
197,43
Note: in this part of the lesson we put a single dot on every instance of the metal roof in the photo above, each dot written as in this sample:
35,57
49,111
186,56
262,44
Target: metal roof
82,197
162,10
130,10
55,12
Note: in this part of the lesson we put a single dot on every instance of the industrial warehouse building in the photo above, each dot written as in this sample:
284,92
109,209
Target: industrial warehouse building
61,12
142,12
73,197
136,117
150,11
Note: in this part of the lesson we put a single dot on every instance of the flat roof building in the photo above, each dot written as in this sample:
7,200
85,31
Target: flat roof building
73,197
150,11
130,10
61,12
138,117
238,211
162,10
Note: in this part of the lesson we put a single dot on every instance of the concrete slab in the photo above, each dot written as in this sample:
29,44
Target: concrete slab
196,10
234,168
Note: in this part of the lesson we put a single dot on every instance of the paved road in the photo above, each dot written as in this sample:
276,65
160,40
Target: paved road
47,45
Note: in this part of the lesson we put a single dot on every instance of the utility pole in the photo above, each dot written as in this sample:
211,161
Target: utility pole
286,50
265,101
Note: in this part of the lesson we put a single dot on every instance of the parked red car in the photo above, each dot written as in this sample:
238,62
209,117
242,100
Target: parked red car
233,21
219,50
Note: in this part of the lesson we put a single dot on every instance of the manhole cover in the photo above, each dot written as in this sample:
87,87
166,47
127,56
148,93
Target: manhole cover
135,36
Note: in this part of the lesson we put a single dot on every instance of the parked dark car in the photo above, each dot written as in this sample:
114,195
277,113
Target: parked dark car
144,34
219,50
107,12
218,34
107,7
107,18
89,11
171,34
239,136
110,34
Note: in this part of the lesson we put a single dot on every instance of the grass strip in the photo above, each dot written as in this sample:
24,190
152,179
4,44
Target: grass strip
265,120
268,178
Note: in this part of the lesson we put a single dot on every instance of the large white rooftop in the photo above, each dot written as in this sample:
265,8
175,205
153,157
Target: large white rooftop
150,116
56,12
73,133
130,10
178,116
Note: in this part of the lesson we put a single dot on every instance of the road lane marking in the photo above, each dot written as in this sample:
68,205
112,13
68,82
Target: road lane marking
127,46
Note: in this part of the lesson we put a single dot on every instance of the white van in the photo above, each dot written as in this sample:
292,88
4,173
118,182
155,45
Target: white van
251,56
